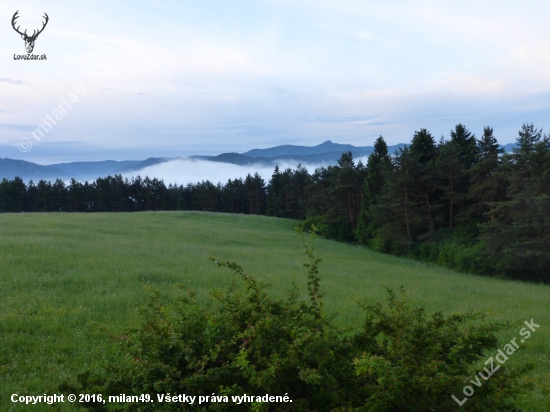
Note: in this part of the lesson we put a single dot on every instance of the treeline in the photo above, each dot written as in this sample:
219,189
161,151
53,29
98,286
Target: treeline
117,194
461,202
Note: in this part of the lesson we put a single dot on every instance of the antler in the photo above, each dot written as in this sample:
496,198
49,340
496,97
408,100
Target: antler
34,33
15,17
43,25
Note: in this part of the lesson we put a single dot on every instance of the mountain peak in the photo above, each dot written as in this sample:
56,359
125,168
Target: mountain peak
327,142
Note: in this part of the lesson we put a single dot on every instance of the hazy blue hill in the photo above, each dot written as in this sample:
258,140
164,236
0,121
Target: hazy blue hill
325,152
330,157
240,159
10,168
152,161
95,168
508,148
292,150
107,167
237,159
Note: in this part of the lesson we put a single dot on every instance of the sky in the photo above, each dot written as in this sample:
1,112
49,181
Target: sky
178,78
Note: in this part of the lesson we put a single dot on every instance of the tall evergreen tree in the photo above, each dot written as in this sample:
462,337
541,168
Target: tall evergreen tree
420,163
345,197
5,195
299,179
254,188
379,163
487,182
465,144
395,216
75,196
233,196
274,194
528,137
18,195
423,146
318,192
489,147
451,173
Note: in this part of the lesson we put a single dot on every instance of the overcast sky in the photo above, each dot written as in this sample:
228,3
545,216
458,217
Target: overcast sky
175,78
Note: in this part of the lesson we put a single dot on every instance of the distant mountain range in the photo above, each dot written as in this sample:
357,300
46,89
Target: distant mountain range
9,168
323,148
324,153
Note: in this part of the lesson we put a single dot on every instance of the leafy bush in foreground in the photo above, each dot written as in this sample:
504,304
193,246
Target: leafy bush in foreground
247,342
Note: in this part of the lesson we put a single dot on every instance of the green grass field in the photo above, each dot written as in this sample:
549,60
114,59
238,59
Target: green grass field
62,273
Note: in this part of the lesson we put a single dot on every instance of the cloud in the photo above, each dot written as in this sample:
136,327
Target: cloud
17,127
11,81
337,119
381,123
363,34
184,171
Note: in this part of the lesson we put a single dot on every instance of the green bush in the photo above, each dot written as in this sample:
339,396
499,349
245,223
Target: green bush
412,362
317,222
334,229
246,342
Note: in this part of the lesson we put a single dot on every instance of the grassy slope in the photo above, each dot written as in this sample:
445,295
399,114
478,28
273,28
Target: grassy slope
61,272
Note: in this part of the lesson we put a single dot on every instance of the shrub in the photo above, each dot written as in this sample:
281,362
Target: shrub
411,362
246,342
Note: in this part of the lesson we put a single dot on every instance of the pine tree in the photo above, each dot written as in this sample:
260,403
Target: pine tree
254,188
5,196
318,193
76,199
274,194
420,161
299,179
488,146
379,163
395,216
423,146
528,137
488,184
451,173
465,144
344,197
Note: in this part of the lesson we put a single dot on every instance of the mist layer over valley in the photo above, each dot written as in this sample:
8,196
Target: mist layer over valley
185,171
197,168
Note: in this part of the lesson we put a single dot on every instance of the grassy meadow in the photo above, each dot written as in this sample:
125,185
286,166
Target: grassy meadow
61,275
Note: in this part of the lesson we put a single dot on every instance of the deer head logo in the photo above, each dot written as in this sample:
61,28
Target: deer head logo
29,40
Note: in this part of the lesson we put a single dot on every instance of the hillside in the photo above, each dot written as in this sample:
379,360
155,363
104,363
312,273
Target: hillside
59,273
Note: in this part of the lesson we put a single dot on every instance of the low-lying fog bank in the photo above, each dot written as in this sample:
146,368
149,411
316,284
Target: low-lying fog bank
184,171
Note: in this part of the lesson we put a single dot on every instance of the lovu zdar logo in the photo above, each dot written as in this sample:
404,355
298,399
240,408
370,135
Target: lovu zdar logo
29,40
